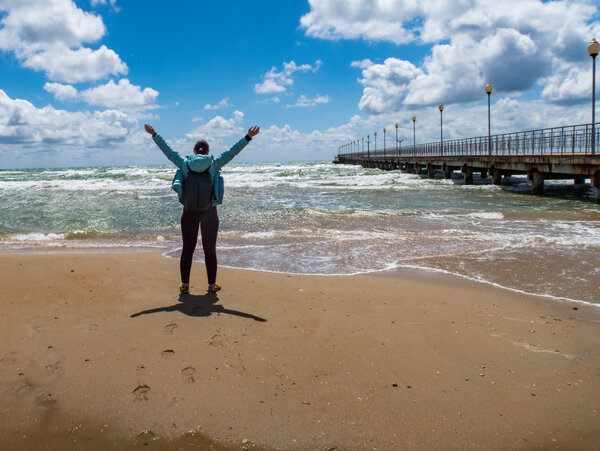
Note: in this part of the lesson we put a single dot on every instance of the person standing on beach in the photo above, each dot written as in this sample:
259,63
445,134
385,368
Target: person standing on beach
200,197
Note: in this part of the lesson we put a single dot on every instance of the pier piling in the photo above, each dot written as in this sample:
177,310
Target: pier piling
496,176
537,182
447,171
468,172
430,171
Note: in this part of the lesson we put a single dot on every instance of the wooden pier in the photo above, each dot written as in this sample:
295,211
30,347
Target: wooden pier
548,154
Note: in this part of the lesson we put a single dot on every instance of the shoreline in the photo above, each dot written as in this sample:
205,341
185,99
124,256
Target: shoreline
397,269
99,349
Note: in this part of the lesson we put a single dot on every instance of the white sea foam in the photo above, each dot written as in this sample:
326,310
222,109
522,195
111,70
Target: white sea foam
84,185
488,282
38,237
486,215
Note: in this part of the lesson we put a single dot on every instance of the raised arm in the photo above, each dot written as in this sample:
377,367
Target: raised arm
228,155
172,155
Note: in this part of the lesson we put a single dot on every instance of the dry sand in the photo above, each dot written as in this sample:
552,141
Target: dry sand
98,351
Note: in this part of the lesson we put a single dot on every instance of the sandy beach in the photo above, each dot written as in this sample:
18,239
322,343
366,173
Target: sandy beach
98,350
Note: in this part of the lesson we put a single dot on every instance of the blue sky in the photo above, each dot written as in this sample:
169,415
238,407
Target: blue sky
78,79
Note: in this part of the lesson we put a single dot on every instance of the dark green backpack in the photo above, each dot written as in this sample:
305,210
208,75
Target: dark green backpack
198,190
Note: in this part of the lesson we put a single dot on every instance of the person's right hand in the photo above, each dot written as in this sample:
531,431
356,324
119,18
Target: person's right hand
149,129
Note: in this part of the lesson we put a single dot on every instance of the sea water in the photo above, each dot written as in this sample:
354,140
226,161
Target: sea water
320,218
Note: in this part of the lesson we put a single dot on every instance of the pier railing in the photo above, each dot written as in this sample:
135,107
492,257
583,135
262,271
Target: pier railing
567,140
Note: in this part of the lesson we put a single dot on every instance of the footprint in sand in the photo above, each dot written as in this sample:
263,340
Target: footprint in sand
10,358
167,353
51,360
144,438
217,339
21,385
169,328
188,374
141,393
44,399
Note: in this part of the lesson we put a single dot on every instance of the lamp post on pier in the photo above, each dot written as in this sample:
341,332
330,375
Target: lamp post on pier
414,119
368,146
363,144
488,90
441,108
375,143
397,150
593,49
383,142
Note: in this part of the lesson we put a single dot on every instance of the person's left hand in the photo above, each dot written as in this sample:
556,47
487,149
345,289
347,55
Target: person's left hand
149,129
253,131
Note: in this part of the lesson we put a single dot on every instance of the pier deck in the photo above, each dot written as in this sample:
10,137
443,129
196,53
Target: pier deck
558,153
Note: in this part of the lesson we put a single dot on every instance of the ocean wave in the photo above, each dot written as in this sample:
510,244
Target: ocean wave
486,215
35,237
84,185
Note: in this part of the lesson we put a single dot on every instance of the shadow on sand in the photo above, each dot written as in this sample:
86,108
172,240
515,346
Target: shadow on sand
199,305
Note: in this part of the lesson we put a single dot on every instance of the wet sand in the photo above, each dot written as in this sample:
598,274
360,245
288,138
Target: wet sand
98,350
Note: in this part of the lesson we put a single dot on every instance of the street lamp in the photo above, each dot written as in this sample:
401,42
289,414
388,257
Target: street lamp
414,119
488,90
383,142
593,49
441,108
396,125
375,143
368,146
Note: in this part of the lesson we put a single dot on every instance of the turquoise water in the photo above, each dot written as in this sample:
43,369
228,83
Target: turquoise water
319,218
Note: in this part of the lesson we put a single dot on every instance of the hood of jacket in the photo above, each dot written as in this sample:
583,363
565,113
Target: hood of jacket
199,163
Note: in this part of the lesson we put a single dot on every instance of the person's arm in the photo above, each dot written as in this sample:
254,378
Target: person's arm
228,155
172,155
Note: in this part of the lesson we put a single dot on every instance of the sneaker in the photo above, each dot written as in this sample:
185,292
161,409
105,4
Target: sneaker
184,288
214,287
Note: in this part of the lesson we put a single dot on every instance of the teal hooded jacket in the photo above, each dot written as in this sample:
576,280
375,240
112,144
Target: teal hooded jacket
200,163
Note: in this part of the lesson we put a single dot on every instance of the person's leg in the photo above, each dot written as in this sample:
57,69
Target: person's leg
209,226
189,232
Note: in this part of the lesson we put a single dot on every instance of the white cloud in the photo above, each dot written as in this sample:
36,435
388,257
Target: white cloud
122,95
275,81
216,128
73,66
238,116
269,100
304,101
568,85
361,19
113,3
270,86
61,92
387,85
523,44
224,103
49,36
362,64
23,123
37,23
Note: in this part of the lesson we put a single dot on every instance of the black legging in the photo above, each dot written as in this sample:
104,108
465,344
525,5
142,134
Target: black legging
209,227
